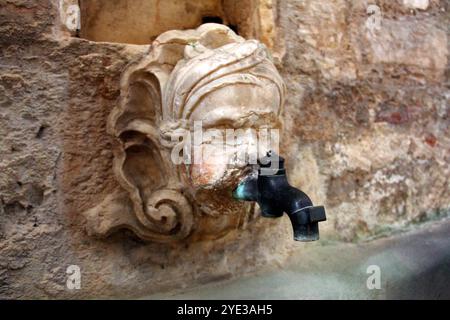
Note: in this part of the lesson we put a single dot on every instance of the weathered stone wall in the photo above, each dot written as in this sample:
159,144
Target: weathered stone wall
369,113
367,134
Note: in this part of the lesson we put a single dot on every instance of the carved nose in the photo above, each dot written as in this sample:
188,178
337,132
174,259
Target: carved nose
275,196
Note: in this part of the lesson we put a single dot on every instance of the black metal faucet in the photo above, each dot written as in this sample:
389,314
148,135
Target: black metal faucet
275,196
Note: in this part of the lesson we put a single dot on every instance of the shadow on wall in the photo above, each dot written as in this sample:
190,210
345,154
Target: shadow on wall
141,21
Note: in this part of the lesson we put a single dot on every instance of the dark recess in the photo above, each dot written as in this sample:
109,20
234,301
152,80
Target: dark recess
212,19
215,19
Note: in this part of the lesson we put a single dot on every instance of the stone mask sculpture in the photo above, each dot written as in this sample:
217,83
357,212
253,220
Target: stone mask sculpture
211,75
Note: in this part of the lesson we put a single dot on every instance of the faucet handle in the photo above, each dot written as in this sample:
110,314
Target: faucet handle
271,164
317,214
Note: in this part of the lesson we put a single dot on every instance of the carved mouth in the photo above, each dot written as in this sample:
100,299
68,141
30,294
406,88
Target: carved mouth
216,198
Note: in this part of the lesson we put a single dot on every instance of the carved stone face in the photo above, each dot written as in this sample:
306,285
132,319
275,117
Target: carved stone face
208,76
238,108
227,110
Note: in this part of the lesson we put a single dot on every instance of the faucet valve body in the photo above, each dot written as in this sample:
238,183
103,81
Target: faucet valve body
275,196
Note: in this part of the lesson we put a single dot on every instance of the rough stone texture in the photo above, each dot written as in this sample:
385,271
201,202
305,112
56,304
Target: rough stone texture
367,134
368,112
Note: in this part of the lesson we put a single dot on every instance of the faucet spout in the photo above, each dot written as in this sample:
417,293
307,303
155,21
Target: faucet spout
275,196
